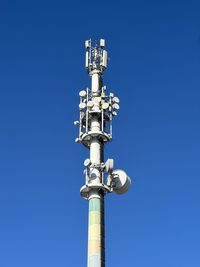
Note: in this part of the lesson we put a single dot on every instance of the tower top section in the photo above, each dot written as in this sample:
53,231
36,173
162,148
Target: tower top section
96,56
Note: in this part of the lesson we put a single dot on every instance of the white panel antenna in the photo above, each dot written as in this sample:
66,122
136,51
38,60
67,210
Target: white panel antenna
105,59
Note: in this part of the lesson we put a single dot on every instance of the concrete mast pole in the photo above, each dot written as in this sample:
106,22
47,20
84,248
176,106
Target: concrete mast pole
96,238
95,129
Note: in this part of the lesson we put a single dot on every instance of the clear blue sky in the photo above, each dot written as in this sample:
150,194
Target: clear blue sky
154,48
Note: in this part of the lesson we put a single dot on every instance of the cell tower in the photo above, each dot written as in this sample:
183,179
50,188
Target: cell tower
95,129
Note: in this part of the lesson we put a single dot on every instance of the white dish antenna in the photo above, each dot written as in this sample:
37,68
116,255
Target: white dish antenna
116,106
90,104
116,100
97,99
121,180
105,105
82,106
82,93
87,162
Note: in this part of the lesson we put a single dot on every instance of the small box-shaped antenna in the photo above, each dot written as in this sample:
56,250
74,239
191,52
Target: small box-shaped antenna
102,43
87,44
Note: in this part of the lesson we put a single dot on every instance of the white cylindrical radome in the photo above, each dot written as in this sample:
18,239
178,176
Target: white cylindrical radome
95,82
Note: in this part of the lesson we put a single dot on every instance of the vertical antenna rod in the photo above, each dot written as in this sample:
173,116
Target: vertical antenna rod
95,129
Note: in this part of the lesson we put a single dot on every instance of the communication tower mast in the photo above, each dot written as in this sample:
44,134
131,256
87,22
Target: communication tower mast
97,109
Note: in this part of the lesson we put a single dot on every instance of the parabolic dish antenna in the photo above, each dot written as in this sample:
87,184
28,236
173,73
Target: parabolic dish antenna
82,93
82,106
122,181
116,106
90,104
105,105
116,100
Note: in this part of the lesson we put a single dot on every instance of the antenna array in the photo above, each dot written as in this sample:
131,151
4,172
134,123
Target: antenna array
96,112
